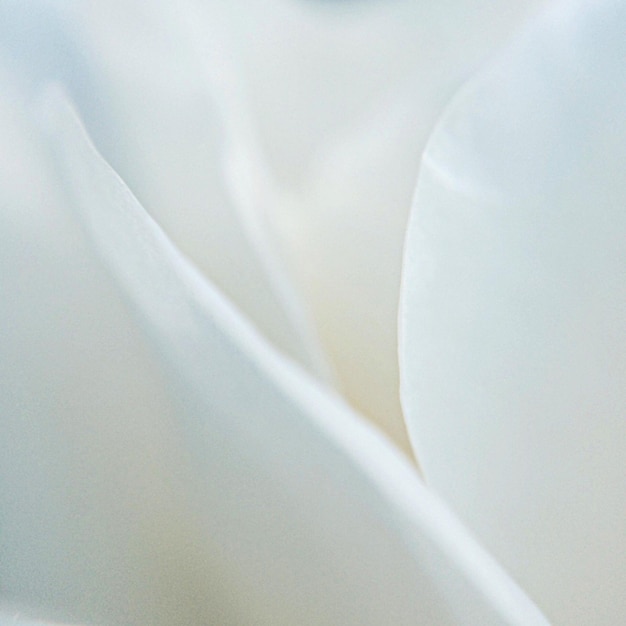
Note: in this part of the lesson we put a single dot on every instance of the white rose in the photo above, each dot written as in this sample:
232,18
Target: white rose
203,209
514,342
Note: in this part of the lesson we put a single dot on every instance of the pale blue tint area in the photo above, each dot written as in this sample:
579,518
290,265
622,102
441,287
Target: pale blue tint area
37,41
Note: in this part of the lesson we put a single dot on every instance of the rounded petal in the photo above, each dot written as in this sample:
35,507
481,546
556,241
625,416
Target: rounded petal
514,301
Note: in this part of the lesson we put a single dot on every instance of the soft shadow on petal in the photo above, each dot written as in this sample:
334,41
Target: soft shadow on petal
342,96
315,518
155,112
94,514
513,335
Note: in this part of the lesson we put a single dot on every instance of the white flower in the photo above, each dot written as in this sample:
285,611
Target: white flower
202,210
514,340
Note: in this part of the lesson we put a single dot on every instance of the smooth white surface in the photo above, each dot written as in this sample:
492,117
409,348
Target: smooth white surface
342,96
513,345
277,143
161,463
150,99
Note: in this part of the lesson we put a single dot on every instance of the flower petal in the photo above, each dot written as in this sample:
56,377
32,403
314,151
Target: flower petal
295,512
343,96
514,301
155,112
94,516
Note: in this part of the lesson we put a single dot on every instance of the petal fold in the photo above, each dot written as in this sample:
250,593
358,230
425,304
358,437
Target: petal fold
307,514
150,101
342,97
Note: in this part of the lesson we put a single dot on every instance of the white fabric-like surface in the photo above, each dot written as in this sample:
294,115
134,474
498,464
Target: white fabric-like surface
161,462
150,100
277,144
342,96
513,318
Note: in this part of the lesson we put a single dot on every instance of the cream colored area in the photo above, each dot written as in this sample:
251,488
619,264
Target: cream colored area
278,144
161,462
342,97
